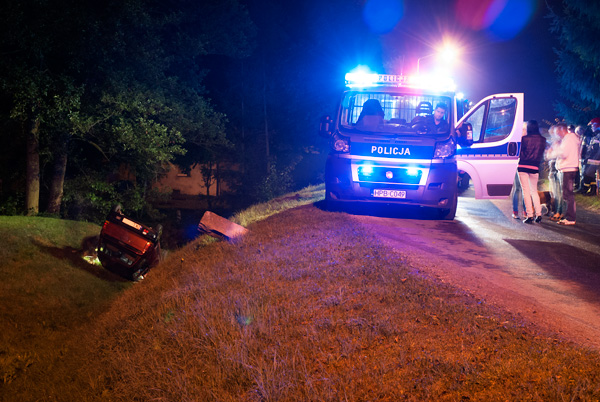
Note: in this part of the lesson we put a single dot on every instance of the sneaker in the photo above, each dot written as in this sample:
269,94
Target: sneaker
515,215
538,219
529,220
566,222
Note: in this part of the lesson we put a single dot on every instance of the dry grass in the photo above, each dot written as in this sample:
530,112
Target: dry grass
46,291
258,212
309,307
591,203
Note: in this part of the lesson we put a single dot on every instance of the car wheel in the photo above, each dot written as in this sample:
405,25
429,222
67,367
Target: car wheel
138,274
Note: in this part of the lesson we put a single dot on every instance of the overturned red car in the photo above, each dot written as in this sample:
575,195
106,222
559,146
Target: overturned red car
127,247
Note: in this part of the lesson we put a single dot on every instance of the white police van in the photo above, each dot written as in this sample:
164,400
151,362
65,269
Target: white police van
386,149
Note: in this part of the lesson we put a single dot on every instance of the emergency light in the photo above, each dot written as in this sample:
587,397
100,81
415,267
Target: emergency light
363,79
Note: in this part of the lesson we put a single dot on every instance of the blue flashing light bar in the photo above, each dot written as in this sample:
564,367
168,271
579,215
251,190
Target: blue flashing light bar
361,80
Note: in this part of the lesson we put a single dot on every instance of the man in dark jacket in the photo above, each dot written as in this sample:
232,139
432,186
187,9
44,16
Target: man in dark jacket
533,146
590,158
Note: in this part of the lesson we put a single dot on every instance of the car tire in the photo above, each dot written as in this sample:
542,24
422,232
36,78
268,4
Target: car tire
138,274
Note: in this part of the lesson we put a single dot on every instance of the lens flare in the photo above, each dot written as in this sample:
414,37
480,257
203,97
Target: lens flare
381,16
501,19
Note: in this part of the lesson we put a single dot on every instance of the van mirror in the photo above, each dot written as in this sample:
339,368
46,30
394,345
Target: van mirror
465,137
325,126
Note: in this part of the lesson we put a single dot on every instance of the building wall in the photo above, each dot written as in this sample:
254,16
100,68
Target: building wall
181,183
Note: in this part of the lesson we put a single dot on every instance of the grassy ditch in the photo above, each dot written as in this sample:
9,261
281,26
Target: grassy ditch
310,307
306,307
46,290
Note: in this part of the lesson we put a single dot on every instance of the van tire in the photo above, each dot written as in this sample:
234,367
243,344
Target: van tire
448,214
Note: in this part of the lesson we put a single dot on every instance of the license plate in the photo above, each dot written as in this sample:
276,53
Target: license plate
389,193
132,224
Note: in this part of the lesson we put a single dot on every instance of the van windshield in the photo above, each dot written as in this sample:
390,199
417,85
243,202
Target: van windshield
396,113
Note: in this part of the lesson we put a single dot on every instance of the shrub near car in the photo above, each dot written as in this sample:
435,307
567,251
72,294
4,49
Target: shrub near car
127,247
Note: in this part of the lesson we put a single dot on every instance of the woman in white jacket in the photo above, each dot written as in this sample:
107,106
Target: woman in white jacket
566,152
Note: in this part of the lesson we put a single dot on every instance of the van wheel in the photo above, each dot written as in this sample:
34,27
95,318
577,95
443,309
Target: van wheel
448,214
463,182
330,203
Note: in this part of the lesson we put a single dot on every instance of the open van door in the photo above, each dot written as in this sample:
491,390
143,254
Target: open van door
491,159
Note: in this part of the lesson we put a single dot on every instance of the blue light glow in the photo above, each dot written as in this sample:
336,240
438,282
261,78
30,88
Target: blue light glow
412,171
367,170
512,19
381,16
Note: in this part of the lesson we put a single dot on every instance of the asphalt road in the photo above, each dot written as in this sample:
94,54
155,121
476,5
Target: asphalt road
548,275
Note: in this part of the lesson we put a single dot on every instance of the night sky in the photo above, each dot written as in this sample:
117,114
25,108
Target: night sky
505,45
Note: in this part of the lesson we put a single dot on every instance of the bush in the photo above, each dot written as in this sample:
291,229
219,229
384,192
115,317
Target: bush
277,182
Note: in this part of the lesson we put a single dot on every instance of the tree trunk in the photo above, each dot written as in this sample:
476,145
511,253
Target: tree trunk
58,177
32,190
207,176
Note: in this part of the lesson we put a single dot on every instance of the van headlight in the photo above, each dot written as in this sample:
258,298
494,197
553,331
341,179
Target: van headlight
445,149
340,143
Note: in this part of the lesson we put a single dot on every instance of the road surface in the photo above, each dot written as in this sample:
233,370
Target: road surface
547,274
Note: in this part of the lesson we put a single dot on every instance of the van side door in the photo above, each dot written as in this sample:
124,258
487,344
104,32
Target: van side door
491,160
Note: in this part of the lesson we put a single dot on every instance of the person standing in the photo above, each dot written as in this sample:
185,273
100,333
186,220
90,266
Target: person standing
555,179
593,164
588,182
533,146
566,152
516,194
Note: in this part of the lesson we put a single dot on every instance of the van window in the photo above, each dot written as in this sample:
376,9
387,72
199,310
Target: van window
500,119
396,112
476,120
498,123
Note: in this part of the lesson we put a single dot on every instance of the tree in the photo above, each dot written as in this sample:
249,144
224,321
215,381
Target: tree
124,77
577,25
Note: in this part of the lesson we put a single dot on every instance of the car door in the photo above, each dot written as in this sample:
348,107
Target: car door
491,161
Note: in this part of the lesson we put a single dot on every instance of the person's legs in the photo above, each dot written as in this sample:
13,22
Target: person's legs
598,180
524,179
533,182
560,202
516,195
568,195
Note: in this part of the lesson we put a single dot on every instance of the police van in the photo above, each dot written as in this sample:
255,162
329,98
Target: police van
388,147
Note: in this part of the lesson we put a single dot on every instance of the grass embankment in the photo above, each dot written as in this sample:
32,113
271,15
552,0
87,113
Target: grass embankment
308,307
46,290
591,203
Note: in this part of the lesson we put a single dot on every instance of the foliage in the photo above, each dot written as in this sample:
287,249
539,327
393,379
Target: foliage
90,197
124,77
577,25
278,181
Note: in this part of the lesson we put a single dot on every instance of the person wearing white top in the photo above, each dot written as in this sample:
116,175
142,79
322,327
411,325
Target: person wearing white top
566,151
